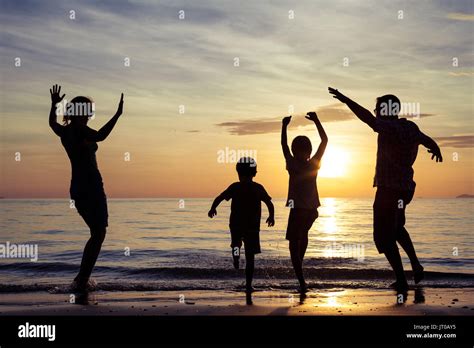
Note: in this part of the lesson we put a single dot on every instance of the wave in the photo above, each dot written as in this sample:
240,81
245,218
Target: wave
285,273
46,267
220,285
48,232
280,272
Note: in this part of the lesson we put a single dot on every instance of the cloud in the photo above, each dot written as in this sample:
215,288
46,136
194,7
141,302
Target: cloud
417,116
261,126
328,113
459,16
461,73
457,141
334,113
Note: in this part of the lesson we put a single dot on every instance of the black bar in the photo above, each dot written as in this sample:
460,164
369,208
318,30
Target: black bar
225,330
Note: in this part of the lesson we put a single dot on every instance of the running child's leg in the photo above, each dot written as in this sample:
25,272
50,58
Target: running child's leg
236,244
236,256
249,269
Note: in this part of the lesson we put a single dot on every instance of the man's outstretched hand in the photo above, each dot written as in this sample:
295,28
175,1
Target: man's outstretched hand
338,95
436,153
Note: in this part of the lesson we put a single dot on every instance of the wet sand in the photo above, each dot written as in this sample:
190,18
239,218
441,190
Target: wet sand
332,302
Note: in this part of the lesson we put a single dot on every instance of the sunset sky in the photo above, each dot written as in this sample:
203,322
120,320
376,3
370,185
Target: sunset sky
288,54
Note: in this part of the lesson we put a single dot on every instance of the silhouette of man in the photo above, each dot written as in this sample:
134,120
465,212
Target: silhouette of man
397,148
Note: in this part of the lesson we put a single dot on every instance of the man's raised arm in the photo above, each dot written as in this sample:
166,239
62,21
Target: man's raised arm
362,113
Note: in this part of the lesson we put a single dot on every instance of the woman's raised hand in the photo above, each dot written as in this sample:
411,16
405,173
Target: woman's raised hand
120,106
55,94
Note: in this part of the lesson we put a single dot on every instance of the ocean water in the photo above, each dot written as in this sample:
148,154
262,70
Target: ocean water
158,244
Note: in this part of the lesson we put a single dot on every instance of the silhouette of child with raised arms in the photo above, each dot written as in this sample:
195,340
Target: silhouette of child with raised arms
245,215
303,198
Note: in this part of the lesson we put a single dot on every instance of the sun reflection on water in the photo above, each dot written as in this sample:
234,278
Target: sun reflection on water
328,213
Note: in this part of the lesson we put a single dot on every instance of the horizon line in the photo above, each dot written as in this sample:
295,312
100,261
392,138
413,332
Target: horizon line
212,197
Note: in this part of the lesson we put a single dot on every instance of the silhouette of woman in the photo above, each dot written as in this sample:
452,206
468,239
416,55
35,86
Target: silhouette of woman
87,189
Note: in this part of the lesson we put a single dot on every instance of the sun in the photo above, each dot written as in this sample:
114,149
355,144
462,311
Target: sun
334,163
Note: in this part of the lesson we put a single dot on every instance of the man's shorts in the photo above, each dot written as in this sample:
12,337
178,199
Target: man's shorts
389,216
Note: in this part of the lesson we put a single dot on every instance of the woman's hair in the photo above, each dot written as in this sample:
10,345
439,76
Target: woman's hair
78,107
301,146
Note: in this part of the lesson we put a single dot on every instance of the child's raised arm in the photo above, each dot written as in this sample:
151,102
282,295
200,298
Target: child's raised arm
284,138
322,134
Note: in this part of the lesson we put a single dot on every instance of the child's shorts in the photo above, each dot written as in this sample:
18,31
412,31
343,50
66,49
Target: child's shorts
251,240
299,223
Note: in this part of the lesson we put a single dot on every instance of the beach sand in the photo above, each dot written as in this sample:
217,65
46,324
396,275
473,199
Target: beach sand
329,302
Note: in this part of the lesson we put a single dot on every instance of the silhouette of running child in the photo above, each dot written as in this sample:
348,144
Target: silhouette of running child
303,197
244,224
